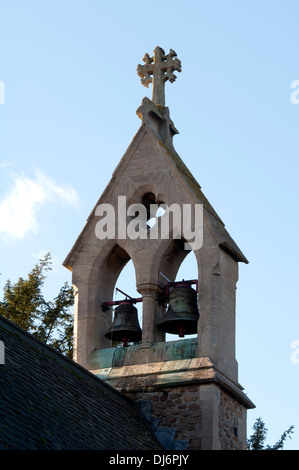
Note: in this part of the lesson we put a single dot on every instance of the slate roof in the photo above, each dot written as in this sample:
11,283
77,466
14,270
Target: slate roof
48,402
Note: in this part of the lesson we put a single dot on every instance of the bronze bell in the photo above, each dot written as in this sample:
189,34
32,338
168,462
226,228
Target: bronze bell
125,326
182,314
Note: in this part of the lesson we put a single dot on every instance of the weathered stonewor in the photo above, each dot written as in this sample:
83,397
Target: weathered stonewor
180,411
188,403
187,390
231,413
157,70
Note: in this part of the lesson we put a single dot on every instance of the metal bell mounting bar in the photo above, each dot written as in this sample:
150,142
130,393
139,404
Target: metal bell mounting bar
106,305
165,294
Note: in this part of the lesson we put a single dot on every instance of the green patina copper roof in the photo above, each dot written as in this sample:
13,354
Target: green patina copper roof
166,351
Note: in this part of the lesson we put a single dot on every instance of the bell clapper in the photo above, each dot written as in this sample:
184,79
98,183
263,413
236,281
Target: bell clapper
181,331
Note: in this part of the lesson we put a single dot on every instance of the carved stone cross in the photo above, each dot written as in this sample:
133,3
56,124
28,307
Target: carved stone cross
161,67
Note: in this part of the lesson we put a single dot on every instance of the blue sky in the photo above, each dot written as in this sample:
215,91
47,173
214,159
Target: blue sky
71,92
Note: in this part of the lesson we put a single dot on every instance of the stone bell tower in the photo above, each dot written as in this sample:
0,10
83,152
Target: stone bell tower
188,389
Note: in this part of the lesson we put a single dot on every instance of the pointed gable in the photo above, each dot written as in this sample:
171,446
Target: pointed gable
149,158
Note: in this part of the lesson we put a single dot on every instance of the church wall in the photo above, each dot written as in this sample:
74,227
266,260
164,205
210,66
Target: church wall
183,417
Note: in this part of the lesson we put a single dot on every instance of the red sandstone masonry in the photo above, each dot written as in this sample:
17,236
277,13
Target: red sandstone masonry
180,408
177,408
229,412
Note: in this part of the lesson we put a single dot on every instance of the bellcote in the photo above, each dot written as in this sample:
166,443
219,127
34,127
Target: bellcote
160,374
151,166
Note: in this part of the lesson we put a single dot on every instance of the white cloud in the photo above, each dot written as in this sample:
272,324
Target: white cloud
19,207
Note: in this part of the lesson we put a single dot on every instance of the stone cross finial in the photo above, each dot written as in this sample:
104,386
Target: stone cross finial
161,67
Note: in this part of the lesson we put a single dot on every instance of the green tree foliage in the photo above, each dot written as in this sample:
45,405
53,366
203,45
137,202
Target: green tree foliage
257,439
50,321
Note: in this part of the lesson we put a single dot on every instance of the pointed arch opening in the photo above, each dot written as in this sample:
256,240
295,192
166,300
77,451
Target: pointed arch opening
126,282
122,331
188,270
180,266
155,208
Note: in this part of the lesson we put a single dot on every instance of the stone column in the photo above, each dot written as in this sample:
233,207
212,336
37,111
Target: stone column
150,333
217,291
